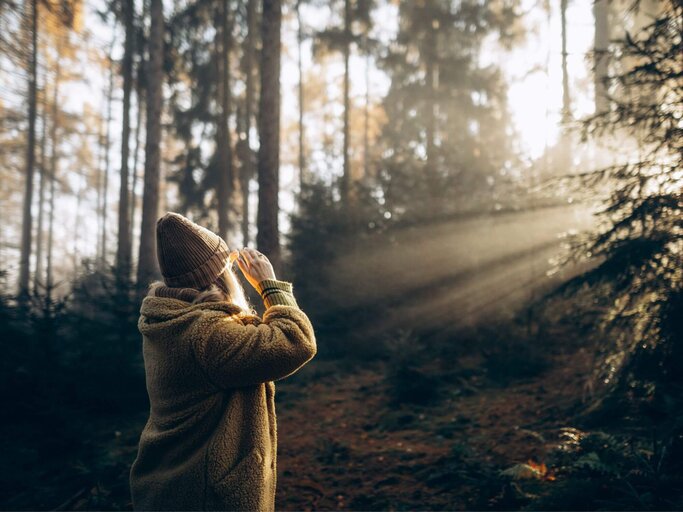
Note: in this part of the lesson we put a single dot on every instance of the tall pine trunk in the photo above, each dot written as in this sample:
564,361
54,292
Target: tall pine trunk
104,206
346,178
223,138
247,169
123,252
268,236
82,185
136,153
27,220
147,260
300,40
566,107
431,57
601,63
49,275
366,110
38,280
140,100
54,156
564,155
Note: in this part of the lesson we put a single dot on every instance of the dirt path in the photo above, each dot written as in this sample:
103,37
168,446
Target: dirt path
343,445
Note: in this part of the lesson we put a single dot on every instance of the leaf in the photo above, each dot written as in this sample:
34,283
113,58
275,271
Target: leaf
522,472
591,461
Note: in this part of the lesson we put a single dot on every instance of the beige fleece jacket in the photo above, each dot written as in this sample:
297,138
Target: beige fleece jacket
211,439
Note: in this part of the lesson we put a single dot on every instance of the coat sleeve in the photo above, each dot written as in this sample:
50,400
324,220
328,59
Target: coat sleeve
236,355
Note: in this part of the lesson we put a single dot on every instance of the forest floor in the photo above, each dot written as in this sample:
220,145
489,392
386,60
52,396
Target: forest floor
346,444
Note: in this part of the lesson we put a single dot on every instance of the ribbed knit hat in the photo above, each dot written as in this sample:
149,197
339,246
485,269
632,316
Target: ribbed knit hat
189,255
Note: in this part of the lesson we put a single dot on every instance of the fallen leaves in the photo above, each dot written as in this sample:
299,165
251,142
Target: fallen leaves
529,470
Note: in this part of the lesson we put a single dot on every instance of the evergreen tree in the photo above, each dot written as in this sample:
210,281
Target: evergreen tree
343,38
640,241
446,138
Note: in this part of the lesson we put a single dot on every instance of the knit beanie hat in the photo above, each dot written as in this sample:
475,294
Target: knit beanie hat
189,255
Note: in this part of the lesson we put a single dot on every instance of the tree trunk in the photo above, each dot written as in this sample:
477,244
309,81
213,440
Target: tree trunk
123,251
431,56
38,281
431,93
601,63
366,113
49,278
223,138
300,39
564,161
248,163
147,260
140,97
53,173
77,220
346,178
105,179
27,220
566,107
139,94
268,237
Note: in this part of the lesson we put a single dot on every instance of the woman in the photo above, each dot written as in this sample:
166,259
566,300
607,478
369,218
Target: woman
211,440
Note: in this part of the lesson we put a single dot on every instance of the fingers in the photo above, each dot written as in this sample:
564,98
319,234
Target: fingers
243,267
242,262
252,256
248,261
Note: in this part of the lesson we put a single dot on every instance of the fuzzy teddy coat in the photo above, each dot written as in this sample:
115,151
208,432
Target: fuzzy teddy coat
211,439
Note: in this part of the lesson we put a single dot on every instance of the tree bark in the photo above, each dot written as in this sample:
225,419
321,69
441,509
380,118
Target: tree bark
49,277
566,107
139,94
300,39
54,155
346,178
366,113
247,169
38,281
27,220
564,161
268,237
105,179
123,252
147,261
601,63
430,57
223,138
77,220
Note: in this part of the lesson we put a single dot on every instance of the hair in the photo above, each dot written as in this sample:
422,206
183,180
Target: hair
226,288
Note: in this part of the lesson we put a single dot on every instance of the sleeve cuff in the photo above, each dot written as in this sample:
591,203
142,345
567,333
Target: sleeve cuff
274,292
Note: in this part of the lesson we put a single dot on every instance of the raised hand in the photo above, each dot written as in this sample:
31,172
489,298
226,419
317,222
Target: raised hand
254,265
